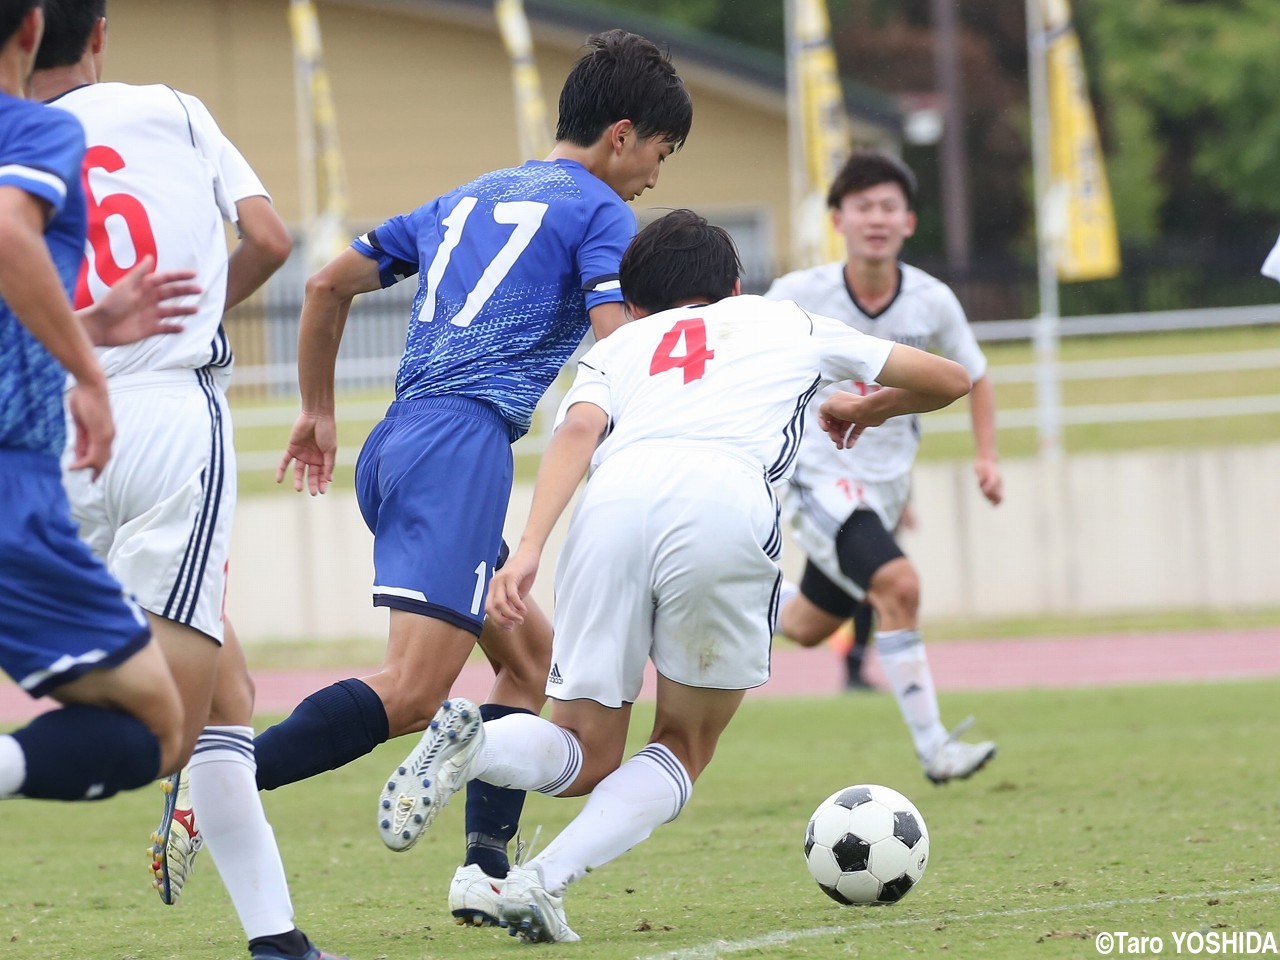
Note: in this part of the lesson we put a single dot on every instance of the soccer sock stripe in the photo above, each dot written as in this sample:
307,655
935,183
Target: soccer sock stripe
229,814
906,667
572,767
623,810
667,763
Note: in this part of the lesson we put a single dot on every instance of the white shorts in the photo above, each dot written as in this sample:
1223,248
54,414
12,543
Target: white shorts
160,514
670,556
819,501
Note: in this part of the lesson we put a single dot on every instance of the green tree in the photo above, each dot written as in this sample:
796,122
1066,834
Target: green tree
1193,91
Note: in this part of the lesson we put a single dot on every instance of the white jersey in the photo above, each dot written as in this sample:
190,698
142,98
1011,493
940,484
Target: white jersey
160,178
737,374
924,313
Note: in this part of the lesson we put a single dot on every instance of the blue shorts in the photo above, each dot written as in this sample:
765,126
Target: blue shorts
61,613
433,481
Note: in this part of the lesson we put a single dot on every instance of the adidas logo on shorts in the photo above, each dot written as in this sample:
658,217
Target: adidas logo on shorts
555,674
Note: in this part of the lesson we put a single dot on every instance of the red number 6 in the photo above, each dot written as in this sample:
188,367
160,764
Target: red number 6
122,205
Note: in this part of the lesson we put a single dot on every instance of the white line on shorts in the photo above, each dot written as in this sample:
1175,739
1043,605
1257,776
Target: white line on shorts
718,948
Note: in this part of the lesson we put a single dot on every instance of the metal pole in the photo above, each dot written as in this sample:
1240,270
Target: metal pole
1048,389
955,181
795,135
305,117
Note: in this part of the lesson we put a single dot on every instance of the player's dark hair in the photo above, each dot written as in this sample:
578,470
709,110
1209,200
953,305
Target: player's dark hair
11,15
67,26
869,168
676,258
623,76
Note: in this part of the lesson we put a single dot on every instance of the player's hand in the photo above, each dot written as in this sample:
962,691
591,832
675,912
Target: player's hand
312,449
990,481
505,604
843,416
91,415
141,304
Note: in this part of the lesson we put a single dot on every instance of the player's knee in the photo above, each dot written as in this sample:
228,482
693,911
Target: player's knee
895,589
233,700
410,705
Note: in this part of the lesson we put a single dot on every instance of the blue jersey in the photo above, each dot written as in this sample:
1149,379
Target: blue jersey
508,267
40,153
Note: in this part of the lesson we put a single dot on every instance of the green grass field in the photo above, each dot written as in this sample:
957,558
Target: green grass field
1260,428
1151,810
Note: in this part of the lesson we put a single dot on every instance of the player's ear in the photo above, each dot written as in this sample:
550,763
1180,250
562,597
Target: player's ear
98,38
619,133
912,220
737,288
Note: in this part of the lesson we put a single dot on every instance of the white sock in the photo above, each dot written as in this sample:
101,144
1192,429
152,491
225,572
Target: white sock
224,795
528,753
647,791
13,767
906,667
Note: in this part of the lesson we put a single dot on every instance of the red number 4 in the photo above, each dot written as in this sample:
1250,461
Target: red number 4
694,359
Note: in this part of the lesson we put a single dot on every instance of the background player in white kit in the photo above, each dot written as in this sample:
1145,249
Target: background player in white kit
845,504
689,414
158,168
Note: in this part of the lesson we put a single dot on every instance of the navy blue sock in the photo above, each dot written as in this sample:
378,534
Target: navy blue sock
493,813
86,753
330,728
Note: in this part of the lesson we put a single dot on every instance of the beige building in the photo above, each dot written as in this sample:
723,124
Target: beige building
423,97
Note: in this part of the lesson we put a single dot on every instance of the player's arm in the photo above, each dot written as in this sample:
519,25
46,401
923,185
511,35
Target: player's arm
564,464
986,461
913,381
313,443
30,285
606,318
264,246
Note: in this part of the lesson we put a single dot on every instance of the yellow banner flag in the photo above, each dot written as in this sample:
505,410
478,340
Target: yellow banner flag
326,233
531,110
825,126
1079,214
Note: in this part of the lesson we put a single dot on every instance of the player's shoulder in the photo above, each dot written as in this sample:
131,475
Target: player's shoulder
917,282
809,283
33,124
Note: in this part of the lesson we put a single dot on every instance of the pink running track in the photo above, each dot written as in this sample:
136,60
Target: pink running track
1087,661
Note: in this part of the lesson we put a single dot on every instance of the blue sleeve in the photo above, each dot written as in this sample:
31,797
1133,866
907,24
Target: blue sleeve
610,229
41,153
394,245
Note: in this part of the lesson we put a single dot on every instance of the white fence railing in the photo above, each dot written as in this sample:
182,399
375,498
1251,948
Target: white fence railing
358,372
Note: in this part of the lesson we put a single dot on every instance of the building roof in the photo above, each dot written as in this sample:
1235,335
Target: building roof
730,67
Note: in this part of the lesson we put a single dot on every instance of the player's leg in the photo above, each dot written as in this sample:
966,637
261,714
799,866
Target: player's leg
520,658
815,608
433,482
67,632
623,809
716,590
232,821
863,623
870,556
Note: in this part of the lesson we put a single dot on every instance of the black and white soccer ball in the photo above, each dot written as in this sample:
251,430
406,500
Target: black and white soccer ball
866,844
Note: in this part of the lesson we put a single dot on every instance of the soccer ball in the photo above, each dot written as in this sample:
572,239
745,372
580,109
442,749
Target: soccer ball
866,844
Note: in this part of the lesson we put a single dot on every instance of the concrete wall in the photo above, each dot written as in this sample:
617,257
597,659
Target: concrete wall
1103,534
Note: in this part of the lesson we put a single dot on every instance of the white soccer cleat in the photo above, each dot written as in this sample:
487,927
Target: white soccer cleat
434,771
956,759
176,841
474,896
531,913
